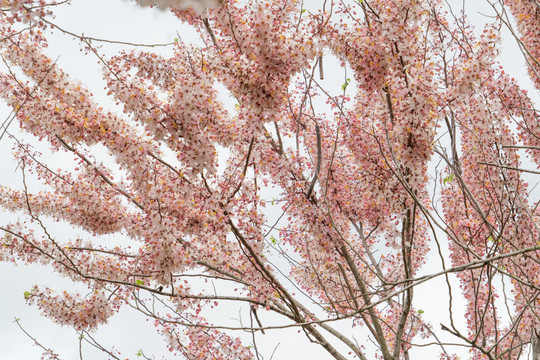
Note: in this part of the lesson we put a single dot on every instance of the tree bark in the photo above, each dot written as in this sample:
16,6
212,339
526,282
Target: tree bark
535,344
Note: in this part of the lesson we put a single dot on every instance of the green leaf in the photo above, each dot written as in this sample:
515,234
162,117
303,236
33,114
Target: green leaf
420,311
27,295
303,11
139,353
273,240
448,178
139,282
344,86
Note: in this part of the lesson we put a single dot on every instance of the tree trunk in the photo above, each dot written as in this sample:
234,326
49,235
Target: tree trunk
535,344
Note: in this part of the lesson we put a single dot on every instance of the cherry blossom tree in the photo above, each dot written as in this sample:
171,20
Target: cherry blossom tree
423,150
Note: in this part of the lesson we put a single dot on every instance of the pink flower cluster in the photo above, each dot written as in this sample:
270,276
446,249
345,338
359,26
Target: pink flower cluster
275,191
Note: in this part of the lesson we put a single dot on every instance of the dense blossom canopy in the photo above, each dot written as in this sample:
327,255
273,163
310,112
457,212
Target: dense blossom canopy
354,175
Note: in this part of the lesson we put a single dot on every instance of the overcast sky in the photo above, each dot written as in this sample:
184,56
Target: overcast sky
121,20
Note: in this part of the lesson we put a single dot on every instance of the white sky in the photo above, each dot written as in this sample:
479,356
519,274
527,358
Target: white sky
120,20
